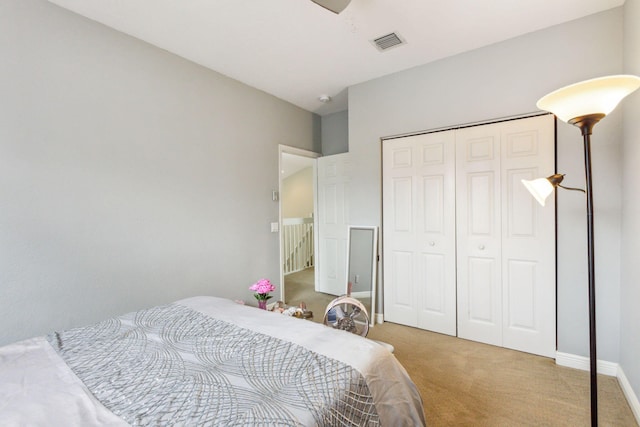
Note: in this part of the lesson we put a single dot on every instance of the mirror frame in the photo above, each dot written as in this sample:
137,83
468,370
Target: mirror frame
374,265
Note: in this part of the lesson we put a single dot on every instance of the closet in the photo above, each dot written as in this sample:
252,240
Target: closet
467,251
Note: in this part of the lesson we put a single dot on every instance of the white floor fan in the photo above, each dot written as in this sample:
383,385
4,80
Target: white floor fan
348,314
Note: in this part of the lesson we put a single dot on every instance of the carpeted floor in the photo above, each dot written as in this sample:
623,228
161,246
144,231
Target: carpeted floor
464,383
299,287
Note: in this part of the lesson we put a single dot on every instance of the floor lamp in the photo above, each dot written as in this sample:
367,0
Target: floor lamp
584,104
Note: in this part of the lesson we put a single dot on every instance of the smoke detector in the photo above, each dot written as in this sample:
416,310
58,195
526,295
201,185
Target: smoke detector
324,98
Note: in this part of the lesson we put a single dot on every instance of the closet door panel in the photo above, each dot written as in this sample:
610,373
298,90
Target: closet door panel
528,238
435,244
432,266
520,295
480,297
402,204
419,222
433,189
481,212
431,273
400,294
401,304
521,213
478,210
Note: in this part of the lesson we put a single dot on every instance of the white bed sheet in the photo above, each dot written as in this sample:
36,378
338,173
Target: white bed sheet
37,388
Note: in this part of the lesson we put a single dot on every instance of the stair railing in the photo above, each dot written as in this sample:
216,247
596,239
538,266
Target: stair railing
297,237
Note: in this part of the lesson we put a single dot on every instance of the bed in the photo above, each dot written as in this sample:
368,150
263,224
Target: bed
204,361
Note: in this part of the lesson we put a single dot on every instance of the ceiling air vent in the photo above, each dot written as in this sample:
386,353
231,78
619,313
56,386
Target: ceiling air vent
388,41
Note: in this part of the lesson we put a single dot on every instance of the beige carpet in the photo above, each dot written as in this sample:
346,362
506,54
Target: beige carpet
299,288
464,383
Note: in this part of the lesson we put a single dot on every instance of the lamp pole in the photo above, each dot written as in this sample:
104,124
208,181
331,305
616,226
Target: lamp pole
586,124
583,104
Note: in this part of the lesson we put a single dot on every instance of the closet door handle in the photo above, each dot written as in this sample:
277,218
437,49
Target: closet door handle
432,243
481,247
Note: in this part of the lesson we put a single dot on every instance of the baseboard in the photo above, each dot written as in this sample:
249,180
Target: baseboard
632,399
582,363
379,318
362,294
605,368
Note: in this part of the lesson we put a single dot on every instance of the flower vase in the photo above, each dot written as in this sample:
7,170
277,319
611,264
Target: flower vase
262,303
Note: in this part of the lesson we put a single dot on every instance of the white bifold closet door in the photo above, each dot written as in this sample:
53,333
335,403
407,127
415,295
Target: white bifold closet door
467,250
505,240
419,231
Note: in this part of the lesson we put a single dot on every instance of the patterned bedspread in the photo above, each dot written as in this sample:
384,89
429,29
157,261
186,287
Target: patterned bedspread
204,361
172,365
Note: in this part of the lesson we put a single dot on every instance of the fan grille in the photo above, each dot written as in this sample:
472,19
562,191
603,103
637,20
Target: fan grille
347,314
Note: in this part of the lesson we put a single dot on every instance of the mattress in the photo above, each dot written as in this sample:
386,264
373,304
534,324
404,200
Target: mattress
204,361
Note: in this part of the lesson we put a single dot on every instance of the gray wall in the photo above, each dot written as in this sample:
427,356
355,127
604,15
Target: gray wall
502,80
130,177
335,133
630,286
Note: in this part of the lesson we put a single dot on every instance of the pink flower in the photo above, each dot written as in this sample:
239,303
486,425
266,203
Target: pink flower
262,288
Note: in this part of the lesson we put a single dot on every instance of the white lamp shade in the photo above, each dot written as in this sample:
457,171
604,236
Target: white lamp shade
539,188
600,95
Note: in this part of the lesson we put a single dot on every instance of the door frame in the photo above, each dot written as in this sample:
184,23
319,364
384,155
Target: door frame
285,149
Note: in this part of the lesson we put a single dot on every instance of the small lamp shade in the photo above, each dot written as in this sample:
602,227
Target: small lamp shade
600,95
539,188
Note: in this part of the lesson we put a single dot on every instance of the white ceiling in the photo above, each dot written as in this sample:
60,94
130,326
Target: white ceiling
297,50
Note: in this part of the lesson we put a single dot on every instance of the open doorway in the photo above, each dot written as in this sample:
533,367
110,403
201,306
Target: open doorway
298,232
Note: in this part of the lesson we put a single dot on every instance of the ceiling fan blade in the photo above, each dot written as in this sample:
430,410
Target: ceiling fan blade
335,6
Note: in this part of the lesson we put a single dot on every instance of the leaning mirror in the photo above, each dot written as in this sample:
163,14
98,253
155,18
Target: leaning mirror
362,254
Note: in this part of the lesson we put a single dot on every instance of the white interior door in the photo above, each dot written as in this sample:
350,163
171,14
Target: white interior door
333,218
419,231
